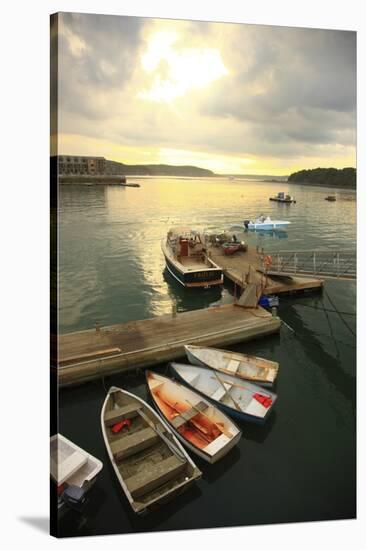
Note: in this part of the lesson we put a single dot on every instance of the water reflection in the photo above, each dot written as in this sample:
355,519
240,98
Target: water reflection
276,233
190,298
212,472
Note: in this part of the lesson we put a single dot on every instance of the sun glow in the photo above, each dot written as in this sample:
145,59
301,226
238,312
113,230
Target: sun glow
177,71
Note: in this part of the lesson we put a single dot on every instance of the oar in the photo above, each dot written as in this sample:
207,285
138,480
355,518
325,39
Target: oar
227,393
198,427
244,388
222,429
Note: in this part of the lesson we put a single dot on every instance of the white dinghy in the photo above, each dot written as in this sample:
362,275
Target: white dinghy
255,369
244,401
201,426
73,470
150,464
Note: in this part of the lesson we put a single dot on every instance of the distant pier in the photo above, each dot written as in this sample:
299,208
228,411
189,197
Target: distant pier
91,179
90,354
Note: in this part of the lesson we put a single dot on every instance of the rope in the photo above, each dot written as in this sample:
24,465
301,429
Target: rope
340,315
317,308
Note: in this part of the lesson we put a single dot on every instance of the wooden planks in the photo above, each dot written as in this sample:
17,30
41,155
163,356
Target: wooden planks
246,266
133,443
116,415
152,476
153,341
184,417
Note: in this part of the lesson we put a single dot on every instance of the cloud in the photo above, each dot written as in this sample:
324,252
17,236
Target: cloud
280,93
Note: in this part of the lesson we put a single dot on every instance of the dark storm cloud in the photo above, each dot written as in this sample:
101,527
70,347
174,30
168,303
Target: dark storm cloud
96,53
300,81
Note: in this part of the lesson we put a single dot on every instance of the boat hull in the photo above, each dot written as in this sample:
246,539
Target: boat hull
194,278
288,201
194,360
267,226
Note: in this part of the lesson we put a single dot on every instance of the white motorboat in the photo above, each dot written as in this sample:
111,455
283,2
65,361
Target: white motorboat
73,470
264,223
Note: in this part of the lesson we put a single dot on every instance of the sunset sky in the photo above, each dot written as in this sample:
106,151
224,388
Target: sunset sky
232,98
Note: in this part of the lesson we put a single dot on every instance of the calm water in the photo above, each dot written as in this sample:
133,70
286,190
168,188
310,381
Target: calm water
298,467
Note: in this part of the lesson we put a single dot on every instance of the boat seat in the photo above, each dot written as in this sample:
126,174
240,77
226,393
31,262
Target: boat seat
120,413
182,418
69,466
133,443
233,365
218,394
154,475
192,379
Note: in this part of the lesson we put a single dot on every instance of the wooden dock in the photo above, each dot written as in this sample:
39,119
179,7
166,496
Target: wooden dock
247,266
90,354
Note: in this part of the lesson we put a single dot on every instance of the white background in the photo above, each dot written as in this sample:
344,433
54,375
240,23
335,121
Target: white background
24,196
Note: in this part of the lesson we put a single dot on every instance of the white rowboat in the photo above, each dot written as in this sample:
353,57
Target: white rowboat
255,369
242,400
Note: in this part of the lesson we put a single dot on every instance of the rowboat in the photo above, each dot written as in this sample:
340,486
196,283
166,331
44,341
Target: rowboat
187,261
242,400
150,464
255,369
265,223
201,426
73,470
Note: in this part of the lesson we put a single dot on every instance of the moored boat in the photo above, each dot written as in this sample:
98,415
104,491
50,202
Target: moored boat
331,198
264,223
199,424
150,464
247,367
73,470
242,400
187,261
282,197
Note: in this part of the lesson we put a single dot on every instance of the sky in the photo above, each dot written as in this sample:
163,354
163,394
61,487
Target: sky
233,98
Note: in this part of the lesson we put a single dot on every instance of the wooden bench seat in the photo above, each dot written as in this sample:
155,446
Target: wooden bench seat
187,415
154,475
120,413
133,443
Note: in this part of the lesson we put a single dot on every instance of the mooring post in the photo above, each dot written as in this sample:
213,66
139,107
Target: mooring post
274,313
174,309
97,327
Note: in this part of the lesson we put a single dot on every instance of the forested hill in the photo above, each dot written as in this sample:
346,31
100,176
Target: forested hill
332,177
114,167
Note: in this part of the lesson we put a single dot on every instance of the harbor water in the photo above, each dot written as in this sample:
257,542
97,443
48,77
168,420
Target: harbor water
301,465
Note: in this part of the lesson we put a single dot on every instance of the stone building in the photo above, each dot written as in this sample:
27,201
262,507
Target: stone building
68,165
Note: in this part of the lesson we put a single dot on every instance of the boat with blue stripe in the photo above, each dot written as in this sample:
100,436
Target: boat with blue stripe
237,398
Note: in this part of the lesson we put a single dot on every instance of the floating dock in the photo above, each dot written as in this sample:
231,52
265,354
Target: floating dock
90,354
247,266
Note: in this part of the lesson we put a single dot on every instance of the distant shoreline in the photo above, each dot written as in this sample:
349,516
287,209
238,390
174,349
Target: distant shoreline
313,184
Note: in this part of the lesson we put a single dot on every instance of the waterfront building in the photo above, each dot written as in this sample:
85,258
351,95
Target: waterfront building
68,165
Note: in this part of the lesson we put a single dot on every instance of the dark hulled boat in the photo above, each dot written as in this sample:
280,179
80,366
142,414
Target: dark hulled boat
187,261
